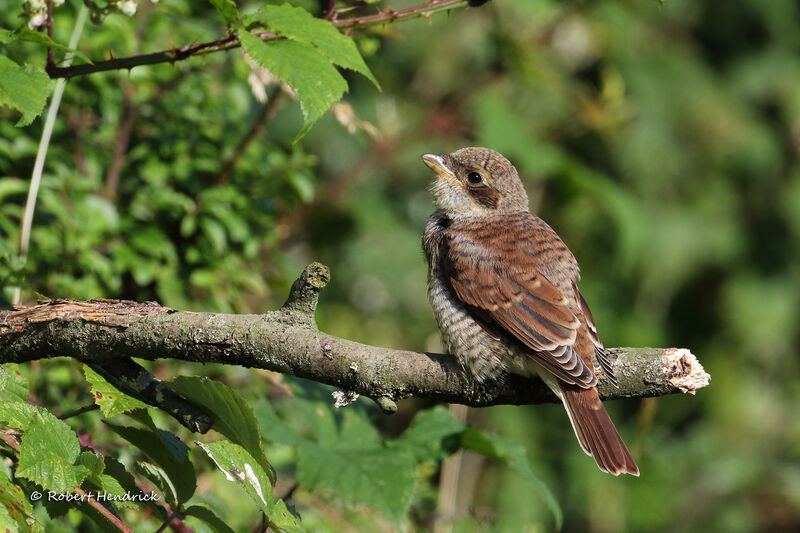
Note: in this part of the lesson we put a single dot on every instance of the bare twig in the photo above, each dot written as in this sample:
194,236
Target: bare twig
231,41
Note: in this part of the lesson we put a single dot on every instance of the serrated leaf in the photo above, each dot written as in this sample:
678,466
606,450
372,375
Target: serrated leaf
382,479
16,512
111,400
48,452
433,435
13,385
94,463
18,415
167,452
201,512
232,416
23,89
316,82
298,24
26,34
513,455
227,8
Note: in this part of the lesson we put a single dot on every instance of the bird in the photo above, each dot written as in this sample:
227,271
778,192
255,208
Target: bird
503,288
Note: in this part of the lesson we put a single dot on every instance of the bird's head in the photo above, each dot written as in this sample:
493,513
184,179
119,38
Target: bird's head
476,182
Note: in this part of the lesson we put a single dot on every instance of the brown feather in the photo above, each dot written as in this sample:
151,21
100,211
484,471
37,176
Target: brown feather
517,296
596,432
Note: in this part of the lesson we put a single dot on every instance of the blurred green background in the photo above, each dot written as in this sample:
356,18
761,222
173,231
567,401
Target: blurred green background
661,142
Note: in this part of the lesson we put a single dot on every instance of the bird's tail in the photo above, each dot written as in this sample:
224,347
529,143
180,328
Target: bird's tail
595,430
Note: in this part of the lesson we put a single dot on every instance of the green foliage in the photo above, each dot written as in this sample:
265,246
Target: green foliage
227,8
23,89
172,472
48,452
240,467
299,25
233,417
110,399
311,75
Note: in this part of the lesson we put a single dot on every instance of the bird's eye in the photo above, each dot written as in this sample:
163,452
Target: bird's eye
474,177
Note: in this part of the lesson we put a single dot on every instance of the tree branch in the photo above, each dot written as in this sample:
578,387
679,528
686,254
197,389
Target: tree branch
287,340
231,41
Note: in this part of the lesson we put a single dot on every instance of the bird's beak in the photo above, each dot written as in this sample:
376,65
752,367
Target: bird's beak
436,162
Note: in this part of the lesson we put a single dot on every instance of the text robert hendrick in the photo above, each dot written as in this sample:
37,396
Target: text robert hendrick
53,496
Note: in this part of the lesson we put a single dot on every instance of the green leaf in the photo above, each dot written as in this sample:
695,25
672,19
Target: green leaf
16,512
10,186
201,512
167,452
273,428
23,89
513,455
116,480
316,82
111,400
240,468
48,452
13,385
284,520
159,477
26,34
298,24
94,463
227,9
382,479
232,416
18,415
433,435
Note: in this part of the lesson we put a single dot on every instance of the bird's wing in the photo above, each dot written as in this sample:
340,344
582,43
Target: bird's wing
503,285
599,349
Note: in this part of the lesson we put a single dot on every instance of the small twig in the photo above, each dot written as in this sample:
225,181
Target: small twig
108,515
226,43
331,13
266,113
79,411
165,524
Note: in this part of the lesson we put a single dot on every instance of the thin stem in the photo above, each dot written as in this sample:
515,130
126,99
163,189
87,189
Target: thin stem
79,411
41,154
50,31
166,523
331,13
231,41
